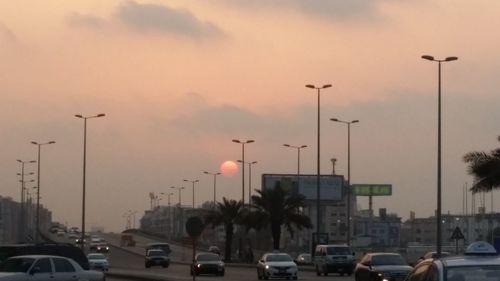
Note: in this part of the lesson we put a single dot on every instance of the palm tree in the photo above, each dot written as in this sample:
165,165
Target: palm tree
485,167
228,213
275,207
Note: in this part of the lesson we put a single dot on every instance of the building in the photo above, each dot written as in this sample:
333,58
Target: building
382,231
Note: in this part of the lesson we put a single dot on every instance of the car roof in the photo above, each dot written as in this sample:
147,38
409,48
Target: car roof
469,261
38,256
383,254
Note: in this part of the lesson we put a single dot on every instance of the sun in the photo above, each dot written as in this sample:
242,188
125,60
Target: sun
229,168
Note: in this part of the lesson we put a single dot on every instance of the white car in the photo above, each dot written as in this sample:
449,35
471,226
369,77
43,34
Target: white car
276,265
45,267
480,262
98,261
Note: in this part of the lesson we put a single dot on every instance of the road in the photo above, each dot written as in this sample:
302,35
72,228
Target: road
123,262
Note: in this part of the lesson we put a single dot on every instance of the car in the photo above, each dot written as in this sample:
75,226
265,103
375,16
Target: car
303,259
102,248
382,266
73,235
333,258
431,255
207,263
98,261
156,257
54,249
45,267
276,265
61,233
479,262
94,242
159,245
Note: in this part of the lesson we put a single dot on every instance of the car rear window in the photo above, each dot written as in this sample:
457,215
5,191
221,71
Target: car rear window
338,251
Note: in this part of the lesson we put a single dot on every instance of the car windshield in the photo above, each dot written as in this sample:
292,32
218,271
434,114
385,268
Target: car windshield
157,253
96,257
473,273
17,265
388,260
338,251
278,258
208,258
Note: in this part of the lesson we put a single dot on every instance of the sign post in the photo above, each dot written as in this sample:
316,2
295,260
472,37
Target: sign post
457,235
194,227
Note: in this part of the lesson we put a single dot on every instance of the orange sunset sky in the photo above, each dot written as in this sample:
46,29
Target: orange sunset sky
178,80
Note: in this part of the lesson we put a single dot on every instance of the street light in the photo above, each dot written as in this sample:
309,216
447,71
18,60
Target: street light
348,123
193,182
243,167
298,160
168,194
249,177
215,185
23,199
38,193
318,210
179,188
84,167
438,215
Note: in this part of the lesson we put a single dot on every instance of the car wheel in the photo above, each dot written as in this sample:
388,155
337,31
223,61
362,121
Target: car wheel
295,278
341,274
356,277
317,271
258,275
266,278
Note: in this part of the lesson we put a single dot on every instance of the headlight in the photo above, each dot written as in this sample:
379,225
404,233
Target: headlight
267,266
198,265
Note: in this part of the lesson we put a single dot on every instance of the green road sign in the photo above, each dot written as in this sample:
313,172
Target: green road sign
372,189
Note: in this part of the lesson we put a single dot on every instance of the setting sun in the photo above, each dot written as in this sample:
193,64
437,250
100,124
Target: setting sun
229,168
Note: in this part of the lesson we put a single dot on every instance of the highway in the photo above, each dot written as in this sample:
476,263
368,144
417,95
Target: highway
124,262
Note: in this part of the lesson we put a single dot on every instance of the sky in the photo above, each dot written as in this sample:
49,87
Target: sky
178,80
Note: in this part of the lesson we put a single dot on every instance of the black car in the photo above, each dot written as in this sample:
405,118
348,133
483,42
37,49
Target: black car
156,257
382,266
54,249
207,263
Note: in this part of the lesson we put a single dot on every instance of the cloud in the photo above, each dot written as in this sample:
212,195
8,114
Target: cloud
331,9
6,33
79,20
163,19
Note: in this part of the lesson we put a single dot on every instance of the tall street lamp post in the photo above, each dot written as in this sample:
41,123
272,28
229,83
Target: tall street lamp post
84,169
348,174
37,227
438,211
179,188
249,177
243,167
23,198
318,198
193,182
298,160
215,185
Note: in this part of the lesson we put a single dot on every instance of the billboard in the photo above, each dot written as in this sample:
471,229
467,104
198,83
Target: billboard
331,186
372,189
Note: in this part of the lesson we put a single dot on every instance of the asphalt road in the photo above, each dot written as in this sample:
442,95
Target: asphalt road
122,262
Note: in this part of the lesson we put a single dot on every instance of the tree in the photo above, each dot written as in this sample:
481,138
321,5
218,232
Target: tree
275,207
485,167
228,213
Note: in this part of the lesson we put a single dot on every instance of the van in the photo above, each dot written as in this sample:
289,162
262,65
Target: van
334,259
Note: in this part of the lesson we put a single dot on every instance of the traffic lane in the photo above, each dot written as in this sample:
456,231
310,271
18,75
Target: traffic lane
123,261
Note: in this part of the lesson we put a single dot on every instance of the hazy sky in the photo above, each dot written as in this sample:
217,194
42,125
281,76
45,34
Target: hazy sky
178,80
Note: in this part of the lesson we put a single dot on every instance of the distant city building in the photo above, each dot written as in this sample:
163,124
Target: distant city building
10,218
383,230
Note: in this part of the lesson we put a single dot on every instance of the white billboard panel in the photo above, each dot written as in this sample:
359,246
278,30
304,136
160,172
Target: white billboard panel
331,186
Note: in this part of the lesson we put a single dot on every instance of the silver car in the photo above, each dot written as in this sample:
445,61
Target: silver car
98,261
276,265
45,267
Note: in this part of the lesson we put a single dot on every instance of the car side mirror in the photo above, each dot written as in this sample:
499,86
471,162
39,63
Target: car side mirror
353,253
35,270
262,261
